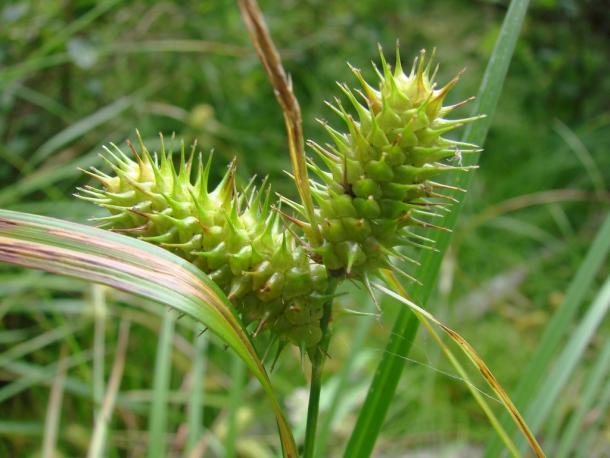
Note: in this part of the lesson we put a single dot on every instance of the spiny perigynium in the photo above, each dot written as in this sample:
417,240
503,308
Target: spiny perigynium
375,191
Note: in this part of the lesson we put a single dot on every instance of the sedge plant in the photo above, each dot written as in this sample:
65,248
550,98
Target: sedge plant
376,183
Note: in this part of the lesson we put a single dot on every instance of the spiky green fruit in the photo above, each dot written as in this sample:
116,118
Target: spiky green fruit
234,237
377,184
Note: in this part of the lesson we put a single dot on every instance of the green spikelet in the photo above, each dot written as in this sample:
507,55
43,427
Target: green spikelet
234,237
377,182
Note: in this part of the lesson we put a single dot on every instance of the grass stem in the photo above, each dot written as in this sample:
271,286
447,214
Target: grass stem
318,357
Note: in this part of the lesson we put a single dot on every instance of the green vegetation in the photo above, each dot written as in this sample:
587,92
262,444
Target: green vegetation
90,370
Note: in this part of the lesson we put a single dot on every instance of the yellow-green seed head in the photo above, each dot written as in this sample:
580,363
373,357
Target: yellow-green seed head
377,181
234,237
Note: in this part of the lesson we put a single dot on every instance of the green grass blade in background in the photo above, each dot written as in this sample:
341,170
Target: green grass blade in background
538,410
99,312
100,431
388,373
427,318
235,403
157,420
136,267
195,406
593,386
54,407
589,435
78,129
555,331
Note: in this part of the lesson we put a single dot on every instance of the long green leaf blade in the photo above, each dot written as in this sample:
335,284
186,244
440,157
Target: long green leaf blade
388,373
556,329
569,358
136,267
592,388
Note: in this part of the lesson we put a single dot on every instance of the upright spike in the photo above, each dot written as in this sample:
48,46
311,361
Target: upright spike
397,63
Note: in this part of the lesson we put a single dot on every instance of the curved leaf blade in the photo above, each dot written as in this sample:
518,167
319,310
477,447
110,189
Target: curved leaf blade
136,267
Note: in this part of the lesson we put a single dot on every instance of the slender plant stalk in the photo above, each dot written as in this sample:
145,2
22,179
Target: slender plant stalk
51,427
195,406
161,386
318,357
388,373
99,344
360,333
98,441
238,371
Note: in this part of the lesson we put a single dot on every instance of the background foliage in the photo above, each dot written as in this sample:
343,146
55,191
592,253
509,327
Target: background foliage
77,74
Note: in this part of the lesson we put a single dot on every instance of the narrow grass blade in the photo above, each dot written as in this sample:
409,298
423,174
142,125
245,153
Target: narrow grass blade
592,432
195,404
539,409
36,343
20,428
390,368
32,65
98,299
98,440
51,426
32,374
235,402
44,101
75,26
136,267
157,426
556,329
583,155
593,386
426,317
81,127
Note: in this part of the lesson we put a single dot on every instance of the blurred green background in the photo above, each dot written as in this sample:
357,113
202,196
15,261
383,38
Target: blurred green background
77,74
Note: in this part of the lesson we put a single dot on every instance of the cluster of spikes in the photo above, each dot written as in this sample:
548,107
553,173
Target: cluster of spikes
377,187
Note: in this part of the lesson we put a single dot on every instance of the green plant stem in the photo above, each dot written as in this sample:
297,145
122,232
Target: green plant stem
360,333
318,357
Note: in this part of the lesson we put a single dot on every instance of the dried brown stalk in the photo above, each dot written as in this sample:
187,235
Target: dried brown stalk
282,87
